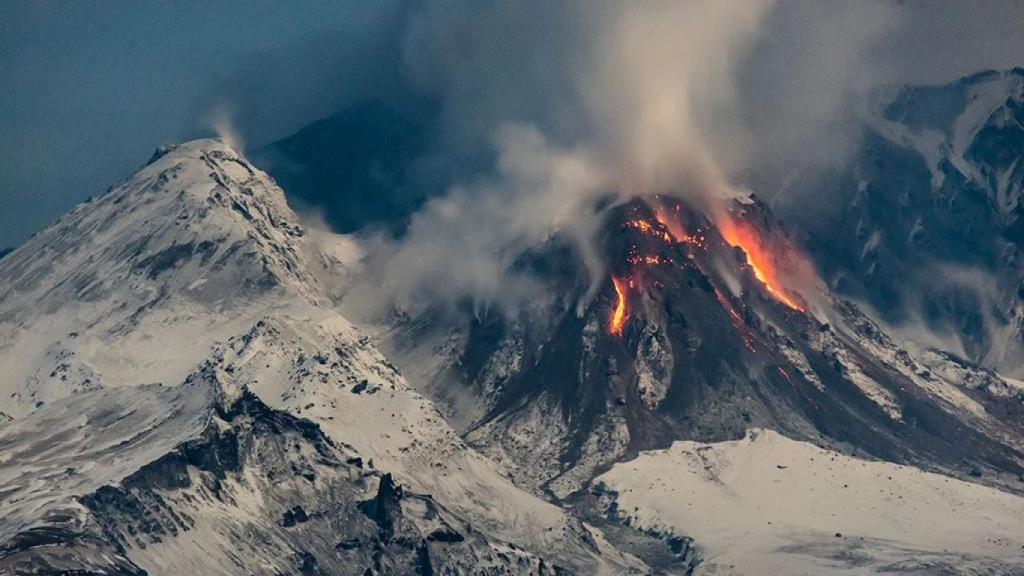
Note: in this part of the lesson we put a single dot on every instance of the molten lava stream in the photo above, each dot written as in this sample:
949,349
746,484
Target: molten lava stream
761,263
619,314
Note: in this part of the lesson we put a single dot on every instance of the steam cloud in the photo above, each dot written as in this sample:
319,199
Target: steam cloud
583,99
221,122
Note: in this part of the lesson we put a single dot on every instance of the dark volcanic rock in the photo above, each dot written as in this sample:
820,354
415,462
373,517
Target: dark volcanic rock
698,358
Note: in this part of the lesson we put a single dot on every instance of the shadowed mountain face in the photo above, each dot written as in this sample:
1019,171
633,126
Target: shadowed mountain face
694,338
353,166
925,224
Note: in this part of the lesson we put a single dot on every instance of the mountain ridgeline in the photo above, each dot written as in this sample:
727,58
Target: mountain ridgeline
182,396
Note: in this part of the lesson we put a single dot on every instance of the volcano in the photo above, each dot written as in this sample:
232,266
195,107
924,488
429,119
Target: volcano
183,395
706,326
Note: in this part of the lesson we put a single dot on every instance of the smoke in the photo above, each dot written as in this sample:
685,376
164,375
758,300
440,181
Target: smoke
464,244
659,88
806,80
220,120
649,86
576,100
557,105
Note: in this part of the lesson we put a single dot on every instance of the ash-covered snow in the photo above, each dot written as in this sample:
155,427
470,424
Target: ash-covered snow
826,342
770,505
136,285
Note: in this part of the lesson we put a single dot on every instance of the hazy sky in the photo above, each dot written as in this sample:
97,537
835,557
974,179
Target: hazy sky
89,88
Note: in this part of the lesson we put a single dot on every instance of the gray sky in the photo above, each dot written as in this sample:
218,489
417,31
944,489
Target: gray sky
89,88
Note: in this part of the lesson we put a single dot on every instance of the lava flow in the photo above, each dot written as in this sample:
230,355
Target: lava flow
663,229
739,236
619,314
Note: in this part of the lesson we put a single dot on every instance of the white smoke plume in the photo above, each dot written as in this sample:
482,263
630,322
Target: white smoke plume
463,245
220,120
577,99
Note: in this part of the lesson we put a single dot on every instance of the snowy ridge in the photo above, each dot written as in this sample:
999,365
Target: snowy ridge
190,250
325,372
79,444
182,294
329,374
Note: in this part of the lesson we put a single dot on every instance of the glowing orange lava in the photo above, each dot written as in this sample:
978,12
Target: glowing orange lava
671,224
675,231
759,261
642,225
619,315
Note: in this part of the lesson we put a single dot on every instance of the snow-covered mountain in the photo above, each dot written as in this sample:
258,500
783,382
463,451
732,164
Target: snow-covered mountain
181,395
696,336
184,400
924,223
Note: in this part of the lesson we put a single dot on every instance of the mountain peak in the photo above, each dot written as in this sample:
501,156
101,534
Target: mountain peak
190,208
197,233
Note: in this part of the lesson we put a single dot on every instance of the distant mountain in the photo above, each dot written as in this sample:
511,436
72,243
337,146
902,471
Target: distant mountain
351,167
926,223
5,251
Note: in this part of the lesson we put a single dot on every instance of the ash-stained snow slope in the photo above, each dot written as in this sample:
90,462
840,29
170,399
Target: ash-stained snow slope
135,286
767,504
79,444
134,328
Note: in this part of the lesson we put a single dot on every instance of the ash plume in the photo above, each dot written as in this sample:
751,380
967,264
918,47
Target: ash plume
600,98
563,105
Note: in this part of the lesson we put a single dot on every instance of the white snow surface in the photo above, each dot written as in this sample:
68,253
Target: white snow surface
767,504
135,286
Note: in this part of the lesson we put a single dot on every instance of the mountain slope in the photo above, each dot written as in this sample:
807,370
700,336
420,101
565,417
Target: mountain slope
924,224
182,393
686,341
190,250
803,510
